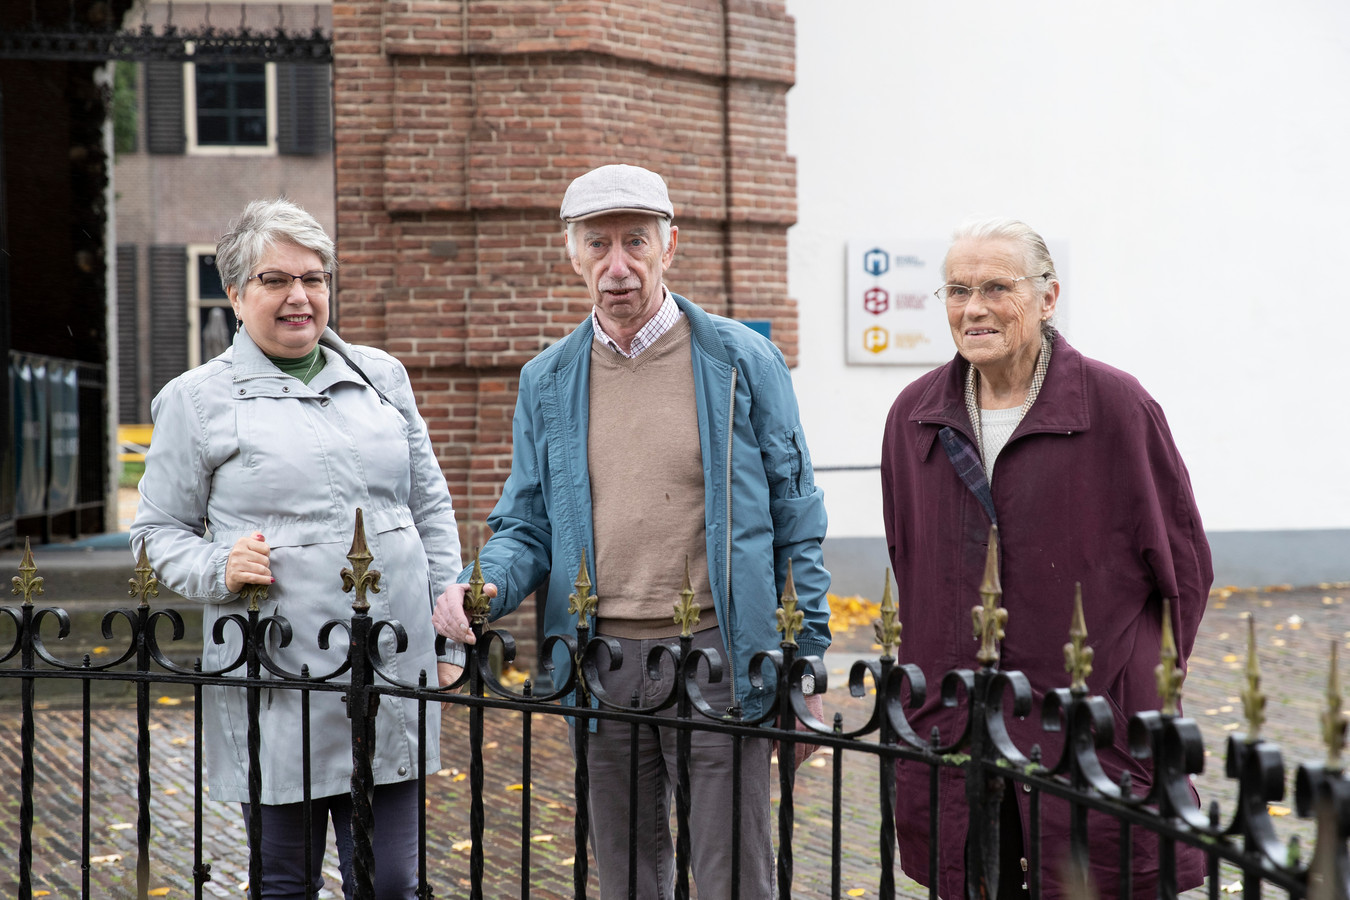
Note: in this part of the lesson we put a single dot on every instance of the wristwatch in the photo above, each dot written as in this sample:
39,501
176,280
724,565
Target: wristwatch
808,683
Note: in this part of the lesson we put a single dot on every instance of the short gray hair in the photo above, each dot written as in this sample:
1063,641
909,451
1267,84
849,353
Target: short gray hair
1034,250
264,224
662,234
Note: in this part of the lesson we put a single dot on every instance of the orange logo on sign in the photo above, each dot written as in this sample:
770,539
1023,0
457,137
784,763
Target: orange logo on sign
876,339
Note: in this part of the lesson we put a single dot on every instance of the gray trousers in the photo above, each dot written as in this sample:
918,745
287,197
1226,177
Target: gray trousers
710,793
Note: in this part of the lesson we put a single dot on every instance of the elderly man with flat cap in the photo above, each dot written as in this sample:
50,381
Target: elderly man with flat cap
655,433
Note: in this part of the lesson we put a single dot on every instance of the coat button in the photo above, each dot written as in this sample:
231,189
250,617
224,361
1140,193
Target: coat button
403,770
285,390
241,392
323,402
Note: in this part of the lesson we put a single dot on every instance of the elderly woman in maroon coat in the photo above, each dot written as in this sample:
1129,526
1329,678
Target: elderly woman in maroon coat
1075,463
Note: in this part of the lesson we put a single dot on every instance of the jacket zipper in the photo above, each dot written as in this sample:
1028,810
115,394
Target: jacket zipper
731,642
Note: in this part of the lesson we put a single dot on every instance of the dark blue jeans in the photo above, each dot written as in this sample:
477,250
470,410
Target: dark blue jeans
395,839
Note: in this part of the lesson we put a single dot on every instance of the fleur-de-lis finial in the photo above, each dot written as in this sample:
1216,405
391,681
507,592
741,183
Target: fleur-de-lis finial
1077,655
887,628
255,595
1333,717
26,584
144,585
790,618
360,577
477,605
1167,672
1253,701
582,604
686,610
989,618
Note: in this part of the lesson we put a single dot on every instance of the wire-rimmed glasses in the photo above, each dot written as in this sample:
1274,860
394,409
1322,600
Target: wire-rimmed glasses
994,290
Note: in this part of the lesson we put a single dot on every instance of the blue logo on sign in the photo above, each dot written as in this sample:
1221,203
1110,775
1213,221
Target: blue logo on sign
876,261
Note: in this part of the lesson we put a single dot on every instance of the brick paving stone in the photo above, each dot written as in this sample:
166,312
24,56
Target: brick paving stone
1295,632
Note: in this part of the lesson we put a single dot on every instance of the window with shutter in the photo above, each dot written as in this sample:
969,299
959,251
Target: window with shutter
128,368
168,314
231,108
304,109
164,132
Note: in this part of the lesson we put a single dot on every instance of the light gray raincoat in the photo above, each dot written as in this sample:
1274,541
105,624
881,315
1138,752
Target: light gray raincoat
240,448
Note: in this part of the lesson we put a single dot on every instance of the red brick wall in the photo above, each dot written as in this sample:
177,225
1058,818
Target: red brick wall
459,126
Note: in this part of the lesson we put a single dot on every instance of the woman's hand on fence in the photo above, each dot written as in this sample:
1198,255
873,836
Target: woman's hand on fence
248,563
449,618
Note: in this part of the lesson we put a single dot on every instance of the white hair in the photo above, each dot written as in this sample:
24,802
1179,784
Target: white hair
1034,252
264,224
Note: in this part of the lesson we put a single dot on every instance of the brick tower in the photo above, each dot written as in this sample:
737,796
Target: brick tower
459,125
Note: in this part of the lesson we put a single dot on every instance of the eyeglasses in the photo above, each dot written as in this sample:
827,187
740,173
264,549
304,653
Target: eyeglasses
315,283
994,290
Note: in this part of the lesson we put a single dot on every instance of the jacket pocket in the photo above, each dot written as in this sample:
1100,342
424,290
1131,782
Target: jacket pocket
801,476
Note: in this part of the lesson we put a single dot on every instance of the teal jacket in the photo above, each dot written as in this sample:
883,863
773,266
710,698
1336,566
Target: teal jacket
761,505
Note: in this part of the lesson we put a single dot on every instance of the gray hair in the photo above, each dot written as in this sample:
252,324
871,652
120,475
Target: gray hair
264,224
662,234
1034,251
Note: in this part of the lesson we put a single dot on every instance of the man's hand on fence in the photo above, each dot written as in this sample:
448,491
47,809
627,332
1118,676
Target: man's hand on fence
248,563
447,672
816,704
449,617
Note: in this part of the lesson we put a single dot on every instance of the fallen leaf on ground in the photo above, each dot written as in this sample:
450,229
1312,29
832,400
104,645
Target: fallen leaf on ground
110,858
461,846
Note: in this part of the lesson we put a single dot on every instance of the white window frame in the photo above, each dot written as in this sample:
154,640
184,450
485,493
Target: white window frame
190,117
195,303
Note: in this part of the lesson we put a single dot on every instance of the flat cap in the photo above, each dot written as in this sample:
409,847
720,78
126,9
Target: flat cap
615,189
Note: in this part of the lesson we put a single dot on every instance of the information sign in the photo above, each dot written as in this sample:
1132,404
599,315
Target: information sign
892,316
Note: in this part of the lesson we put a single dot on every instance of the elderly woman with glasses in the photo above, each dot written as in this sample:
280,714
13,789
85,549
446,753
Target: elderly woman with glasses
1074,462
259,460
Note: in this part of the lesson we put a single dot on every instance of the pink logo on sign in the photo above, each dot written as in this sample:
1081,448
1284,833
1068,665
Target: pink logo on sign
876,301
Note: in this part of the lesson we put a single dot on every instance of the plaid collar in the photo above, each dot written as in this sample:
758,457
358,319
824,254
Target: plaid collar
1037,379
657,325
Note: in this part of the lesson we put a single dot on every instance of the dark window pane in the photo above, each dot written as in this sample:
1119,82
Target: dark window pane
208,279
231,104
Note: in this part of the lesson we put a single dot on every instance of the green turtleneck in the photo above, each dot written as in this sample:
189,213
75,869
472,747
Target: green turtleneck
303,367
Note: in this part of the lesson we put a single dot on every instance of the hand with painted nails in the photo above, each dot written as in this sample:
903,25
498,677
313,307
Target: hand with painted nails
248,563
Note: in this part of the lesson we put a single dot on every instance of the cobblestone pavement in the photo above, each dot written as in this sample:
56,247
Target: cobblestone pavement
1295,631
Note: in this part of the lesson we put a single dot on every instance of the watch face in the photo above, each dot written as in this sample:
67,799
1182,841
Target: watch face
808,683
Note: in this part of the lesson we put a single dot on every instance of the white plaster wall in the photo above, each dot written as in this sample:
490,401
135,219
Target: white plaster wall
1194,156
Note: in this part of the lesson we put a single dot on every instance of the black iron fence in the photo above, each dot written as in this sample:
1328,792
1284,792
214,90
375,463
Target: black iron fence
1245,841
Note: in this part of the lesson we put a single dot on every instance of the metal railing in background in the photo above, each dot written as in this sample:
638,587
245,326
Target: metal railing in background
59,445
983,754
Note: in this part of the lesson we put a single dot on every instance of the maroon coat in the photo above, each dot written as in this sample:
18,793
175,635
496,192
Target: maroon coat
1090,488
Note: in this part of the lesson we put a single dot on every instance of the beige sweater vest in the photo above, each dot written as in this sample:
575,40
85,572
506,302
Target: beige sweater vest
646,469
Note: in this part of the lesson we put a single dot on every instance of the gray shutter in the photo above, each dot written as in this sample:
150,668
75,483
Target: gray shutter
168,314
164,130
304,109
128,369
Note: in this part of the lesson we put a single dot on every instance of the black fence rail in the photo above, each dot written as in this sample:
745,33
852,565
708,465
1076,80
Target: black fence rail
982,754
